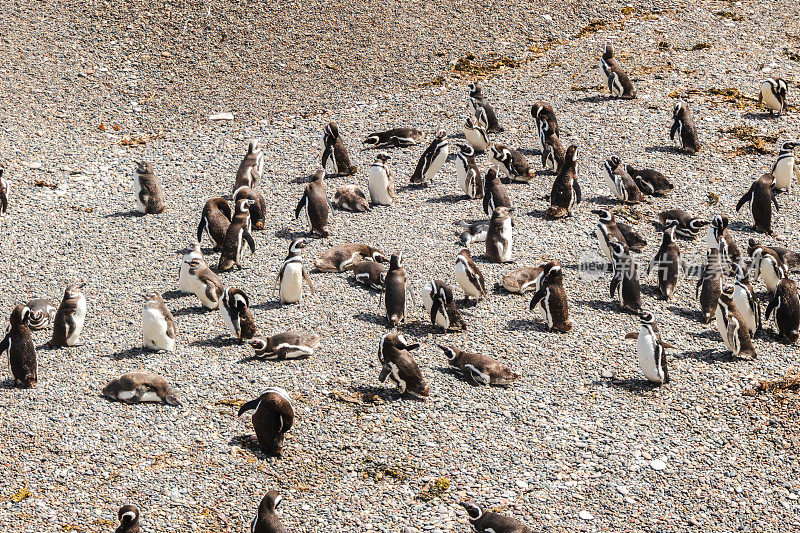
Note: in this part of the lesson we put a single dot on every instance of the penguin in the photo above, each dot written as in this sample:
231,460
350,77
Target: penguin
476,136
494,192
761,197
334,155
437,297
683,130
551,298
608,230
718,236
469,277
477,100
128,519
158,324
68,324
620,182
616,79
381,181
394,292
499,238
649,181
479,369
395,138
205,284
687,227
475,232
467,173
239,233
343,257
215,221
488,522
768,266
5,189
351,198
566,192
287,345
135,387
398,364
267,519
709,285
186,283
790,258
783,169
745,299
511,162
21,350
651,349
730,325
545,119
273,418
43,312
252,166
292,274
625,280
315,202
773,95
235,310
522,280
786,306
481,115
258,209
667,263
553,154
149,196
635,242
371,274
432,159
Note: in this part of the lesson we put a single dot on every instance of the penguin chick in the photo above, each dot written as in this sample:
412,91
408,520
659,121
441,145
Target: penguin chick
149,196
651,349
553,153
68,324
185,282
381,181
235,310
158,324
398,364
21,350
683,130
709,286
437,297
214,222
351,198
511,162
431,160
315,202
135,387
616,79
667,263
773,95
479,369
786,306
544,117
395,288
566,192
395,138
486,521
761,198
266,519
258,206
335,158
625,279
205,284
252,166
287,345
551,298
649,181
128,519
633,239
273,418
239,233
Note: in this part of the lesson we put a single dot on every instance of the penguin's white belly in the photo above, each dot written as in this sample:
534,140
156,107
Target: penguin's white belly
601,242
475,139
613,186
427,301
743,305
768,98
711,242
78,318
138,188
330,164
379,187
505,251
200,292
723,331
771,279
603,73
292,283
154,331
461,177
186,282
464,282
543,308
645,348
148,396
783,173
436,164
226,318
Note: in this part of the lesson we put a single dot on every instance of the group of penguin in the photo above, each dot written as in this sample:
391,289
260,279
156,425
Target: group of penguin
734,305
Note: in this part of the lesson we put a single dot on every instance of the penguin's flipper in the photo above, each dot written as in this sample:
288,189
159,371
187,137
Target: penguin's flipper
757,310
248,238
538,297
797,171
486,199
615,281
744,199
771,306
144,197
70,322
577,188
301,204
200,228
252,404
6,343
436,308
674,129
632,335
384,373
308,280
774,199
137,394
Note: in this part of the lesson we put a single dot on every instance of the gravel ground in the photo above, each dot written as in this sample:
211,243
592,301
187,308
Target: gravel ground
562,442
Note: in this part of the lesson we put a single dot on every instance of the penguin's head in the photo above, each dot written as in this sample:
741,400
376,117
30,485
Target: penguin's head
143,167
20,315
727,289
254,146
608,51
194,246
396,261
782,86
679,110
259,344
720,221
448,352
572,154
383,157
474,511
647,317
501,213
332,129
441,134
74,290
172,397
467,150
604,215
271,501
444,293
786,146
616,248
243,205
402,343
552,271
535,110
480,114
128,515
475,90
297,245
697,223
470,124
614,161
153,300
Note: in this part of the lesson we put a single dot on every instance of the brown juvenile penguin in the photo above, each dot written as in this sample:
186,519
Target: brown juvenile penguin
149,196
273,417
21,350
315,202
398,364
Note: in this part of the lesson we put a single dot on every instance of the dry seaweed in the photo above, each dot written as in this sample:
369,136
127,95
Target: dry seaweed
593,27
380,471
472,67
729,15
433,489
755,142
728,95
786,387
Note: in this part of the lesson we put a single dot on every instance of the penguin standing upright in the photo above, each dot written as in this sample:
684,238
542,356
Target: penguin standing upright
566,192
205,284
186,282
315,202
486,521
381,181
398,364
683,130
494,192
745,299
149,196
761,198
730,325
667,262
68,325
252,166
437,297
718,236
768,265
606,231
43,312
773,94
480,107
469,276
334,155
467,173
499,238
687,225
625,279
620,182
258,207
5,189
783,169
273,418
267,519
511,162
551,298
214,222
292,274
431,160
21,350
709,285
617,80
128,519
476,136
786,306
239,233
553,153
479,369
394,292
234,307
651,349
546,121
158,324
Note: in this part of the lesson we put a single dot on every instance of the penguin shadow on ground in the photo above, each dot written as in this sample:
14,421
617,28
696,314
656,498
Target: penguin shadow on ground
195,310
591,99
769,334
129,353
666,149
519,324
632,384
304,179
606,201
125,214
743,227
711,355
358,285
269,305
249,443
452,372
386,394
217,342
603,305
499,289
171,295
7,384
289,235
458,136
530,152
370,317
691,314
447,199
758,116
538,213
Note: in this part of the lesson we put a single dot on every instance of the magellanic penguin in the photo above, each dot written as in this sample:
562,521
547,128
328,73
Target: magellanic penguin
494,192
785,166
687,227
667,263
214,222
731,326
43,312
68,324
522,280
649,181
135,387
620,182
343,257
395,138
566,192
479,369
205,284
790,258
469,277
5,190
767,265
616,79
21,350
149,196
478,100
511,162
553,153
544,117
761,198
499,238
335,159
234,307
773,95
239,233
718,236
651,349
745,299
128,519
432,159
634,240
476,136
267,519
473,232
287,345
786,306
351,198
158,324
258,209
292,274
381,181
437,298
551,298
186,282
709,285
608,230
252,166
398,364
315,202
683,130
625,280
273,418
371,274
394,293
486,521
467,173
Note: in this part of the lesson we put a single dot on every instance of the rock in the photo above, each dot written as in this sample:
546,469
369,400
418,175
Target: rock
658,465
221,116
622,489
586,515
522,484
